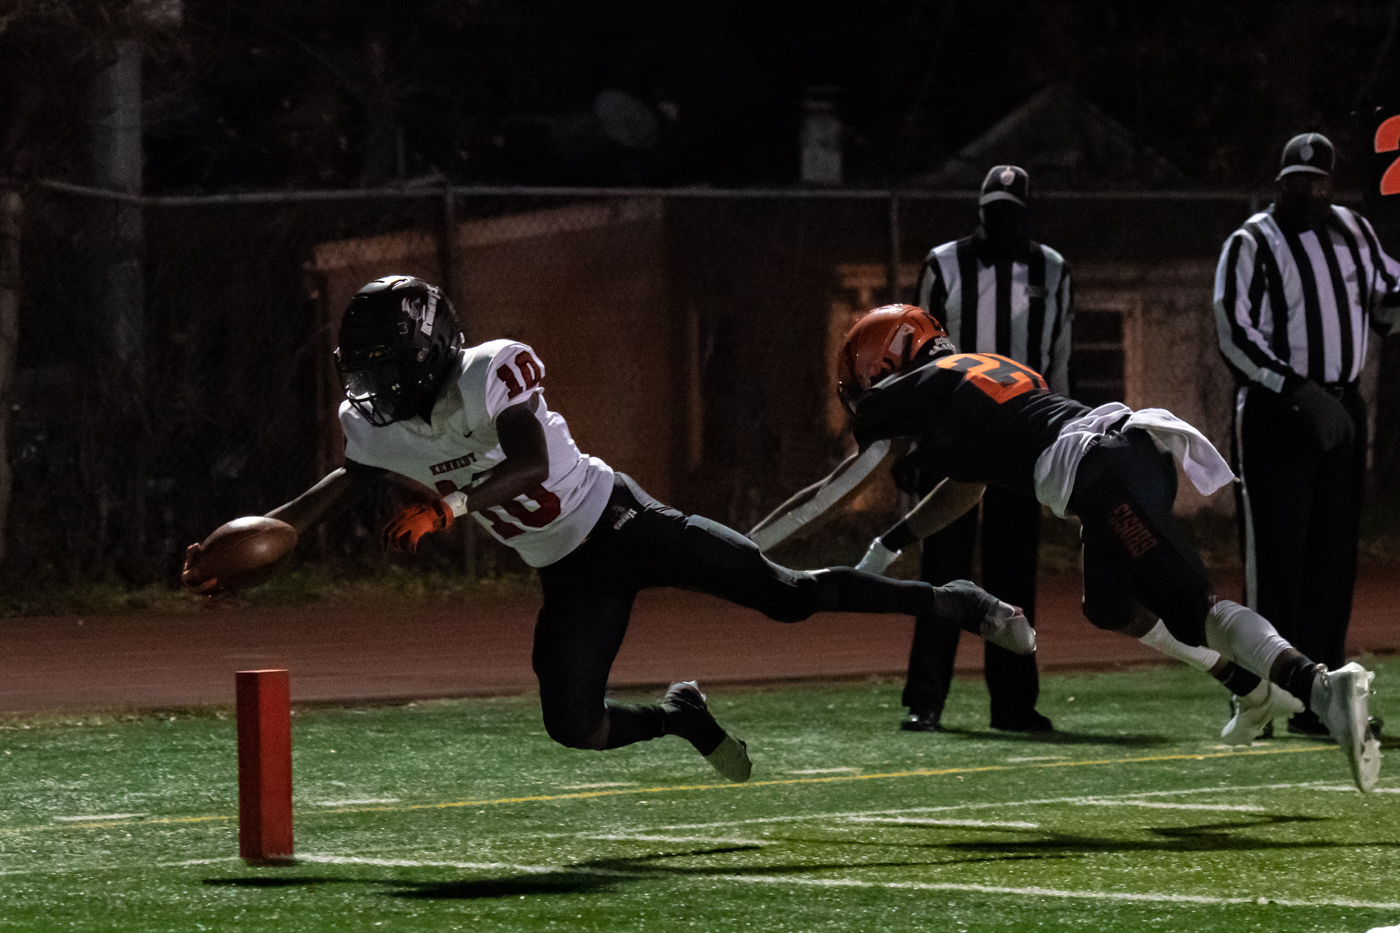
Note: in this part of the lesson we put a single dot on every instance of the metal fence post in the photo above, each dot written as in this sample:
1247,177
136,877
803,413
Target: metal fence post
895,295
447,264
11,217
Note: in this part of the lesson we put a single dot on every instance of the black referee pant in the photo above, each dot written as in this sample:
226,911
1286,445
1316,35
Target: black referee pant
1300,514
1010,546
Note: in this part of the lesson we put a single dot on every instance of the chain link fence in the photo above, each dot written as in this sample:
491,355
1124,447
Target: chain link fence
687,337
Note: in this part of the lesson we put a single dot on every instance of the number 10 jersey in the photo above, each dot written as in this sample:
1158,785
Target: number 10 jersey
460,448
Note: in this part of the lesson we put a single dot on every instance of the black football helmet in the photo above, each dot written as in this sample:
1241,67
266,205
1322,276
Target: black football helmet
398,341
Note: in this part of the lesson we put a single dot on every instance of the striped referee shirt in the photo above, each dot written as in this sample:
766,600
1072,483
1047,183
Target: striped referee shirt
1293,305
1019,308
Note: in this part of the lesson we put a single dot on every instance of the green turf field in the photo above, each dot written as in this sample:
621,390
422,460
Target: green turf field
462,815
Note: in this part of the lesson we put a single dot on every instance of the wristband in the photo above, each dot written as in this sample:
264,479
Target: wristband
457,502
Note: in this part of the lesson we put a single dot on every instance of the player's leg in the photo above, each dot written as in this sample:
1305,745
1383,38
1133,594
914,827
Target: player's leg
1130,515
588,599
946,556
691,552
1109,604
1010,551
577,636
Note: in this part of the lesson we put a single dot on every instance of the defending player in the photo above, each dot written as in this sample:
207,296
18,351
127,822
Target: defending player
983,418
472,423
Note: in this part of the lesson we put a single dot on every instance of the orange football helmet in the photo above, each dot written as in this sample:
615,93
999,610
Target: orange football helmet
882,343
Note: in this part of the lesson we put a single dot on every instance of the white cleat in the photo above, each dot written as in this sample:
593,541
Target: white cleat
1007,626
1340,700
731,759
1256,710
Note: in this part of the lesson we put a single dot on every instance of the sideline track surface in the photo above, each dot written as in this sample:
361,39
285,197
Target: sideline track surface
69,663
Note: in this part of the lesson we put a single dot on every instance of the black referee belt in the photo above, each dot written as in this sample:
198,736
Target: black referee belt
1338,390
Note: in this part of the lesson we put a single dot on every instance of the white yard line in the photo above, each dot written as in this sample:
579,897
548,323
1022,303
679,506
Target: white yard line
1157,804
93,819
1029,891
705,840
908,821
346,803
999,804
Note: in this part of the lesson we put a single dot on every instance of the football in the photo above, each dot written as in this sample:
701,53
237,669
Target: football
244,552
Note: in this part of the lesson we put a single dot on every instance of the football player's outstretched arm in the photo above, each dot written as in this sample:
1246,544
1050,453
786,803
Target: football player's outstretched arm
525,466
336,492
807,505
949,501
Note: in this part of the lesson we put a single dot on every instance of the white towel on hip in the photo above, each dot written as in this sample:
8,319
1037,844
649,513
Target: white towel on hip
1058,464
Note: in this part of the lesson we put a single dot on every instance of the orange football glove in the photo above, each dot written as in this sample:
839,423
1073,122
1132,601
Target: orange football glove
193,578
404,529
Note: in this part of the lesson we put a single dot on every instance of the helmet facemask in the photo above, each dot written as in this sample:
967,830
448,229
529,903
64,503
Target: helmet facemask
887,341
398,343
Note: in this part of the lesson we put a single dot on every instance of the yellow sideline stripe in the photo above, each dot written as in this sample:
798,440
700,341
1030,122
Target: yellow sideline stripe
544,798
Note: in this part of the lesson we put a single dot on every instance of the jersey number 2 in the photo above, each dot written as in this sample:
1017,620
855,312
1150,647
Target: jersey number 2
546,510
997,377
1388,140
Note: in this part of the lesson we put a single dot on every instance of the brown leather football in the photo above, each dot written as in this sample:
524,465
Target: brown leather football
245,552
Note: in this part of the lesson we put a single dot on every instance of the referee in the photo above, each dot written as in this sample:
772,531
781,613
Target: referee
995,291
1295,291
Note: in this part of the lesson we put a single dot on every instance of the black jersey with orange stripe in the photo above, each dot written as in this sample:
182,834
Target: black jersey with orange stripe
974,417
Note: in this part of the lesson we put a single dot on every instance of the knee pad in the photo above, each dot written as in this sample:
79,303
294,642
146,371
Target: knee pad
1244,636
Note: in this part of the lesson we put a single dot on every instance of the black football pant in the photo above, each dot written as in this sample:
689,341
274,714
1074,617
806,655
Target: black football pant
1135,552
1299,513
640,543
1010,545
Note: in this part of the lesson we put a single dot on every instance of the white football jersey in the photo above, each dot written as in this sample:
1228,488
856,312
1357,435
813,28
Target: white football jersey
460,448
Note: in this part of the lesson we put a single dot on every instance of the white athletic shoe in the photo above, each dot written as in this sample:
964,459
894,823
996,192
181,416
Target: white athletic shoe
1256,710
1007,626
690,718
1340,700
731,759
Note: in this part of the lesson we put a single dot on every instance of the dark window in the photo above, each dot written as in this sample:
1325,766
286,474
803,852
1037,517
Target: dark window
1096,359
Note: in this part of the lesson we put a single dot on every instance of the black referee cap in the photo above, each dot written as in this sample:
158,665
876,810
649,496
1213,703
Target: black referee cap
1308,152
1006,183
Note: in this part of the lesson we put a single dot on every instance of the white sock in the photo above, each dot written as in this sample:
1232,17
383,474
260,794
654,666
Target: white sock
1244,636
1201,658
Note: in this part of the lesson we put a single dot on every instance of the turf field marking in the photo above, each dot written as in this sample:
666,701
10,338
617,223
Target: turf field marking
677,788
1352,789
825,771
93,819
1038,758
1030,891
999,804
603,784
914,821
647,837
348,803
1100,802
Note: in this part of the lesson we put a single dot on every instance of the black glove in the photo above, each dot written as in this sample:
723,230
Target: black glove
1325,423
